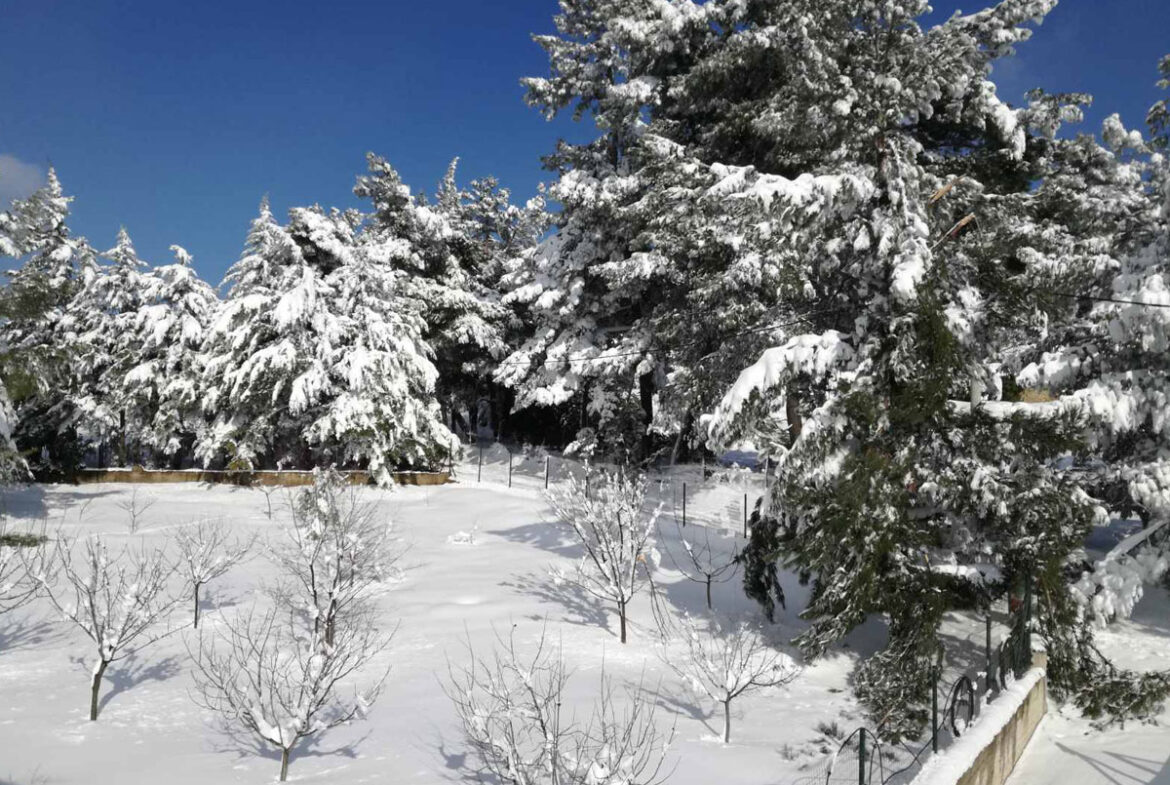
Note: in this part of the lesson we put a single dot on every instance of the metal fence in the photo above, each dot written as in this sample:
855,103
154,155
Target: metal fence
716,495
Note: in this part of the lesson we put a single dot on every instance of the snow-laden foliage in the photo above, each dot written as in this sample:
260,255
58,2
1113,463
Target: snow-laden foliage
161,388
317,355
721,662
120,600
104,313
607,515
511,707
38,341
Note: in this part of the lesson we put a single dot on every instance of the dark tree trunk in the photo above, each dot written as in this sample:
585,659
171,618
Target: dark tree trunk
646,395
284,765
197,606
95,688
792,411
622,620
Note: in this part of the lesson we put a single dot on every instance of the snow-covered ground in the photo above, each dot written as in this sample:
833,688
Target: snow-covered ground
478,559
1067,751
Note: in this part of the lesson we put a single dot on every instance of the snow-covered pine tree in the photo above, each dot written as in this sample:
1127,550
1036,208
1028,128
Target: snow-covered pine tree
104,314
316,355
1109,361
161,390
38,342
440,267
891,185
488,232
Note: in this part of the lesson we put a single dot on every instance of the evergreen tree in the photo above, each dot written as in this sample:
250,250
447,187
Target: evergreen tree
162,389
869,168
316,355
104,313
38,336
444,271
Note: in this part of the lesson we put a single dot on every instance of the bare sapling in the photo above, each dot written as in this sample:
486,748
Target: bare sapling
722,663
511,707
119,601
24,566
338,552
136,508
207,551
265,676
703,563
608,517
268,491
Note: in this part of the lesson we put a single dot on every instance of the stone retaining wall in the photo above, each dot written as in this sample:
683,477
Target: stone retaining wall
245,478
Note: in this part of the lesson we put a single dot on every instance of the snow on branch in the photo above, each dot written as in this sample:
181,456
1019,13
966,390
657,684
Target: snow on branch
511,706
816,357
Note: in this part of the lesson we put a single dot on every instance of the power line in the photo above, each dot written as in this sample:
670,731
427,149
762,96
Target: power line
1094,298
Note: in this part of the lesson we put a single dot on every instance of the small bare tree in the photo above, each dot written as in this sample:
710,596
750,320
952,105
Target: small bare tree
514,721
265,676
136,507
117,601
208,552
338,552
24,565
722,663
268,491
609,519
703,563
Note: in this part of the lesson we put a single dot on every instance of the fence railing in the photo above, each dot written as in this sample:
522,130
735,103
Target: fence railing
867,758
708,494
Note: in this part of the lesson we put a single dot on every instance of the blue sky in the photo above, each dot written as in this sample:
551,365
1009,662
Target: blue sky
174,119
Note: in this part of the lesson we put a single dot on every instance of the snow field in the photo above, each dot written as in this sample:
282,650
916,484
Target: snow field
451,588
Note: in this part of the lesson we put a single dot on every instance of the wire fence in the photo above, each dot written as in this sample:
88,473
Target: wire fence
716,495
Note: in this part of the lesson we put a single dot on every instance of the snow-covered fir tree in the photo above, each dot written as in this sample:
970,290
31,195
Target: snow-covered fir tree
488,233
1108,362
441,268
104,314
316,355
38,341
888,194
161,389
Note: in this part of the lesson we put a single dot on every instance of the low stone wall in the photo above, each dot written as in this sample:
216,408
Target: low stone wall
988,752
244,478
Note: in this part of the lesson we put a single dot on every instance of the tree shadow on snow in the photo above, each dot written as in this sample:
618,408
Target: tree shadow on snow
546,535
246,745
581,607
21,632
684,707
126,674
1119,769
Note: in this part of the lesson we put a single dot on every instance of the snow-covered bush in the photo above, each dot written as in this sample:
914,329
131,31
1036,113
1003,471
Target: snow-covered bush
121,601
208,551
266,675
608,516
721,662
511,706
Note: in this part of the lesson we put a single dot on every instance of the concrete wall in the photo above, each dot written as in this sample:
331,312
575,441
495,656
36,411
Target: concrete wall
281,478
994,765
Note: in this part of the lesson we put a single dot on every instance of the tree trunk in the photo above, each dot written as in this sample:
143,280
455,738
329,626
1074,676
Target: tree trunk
726,721
197,606
646,394
283,765
95,688
792,412
622,619
709,592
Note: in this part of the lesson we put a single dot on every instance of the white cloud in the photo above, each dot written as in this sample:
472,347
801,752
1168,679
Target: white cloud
18,179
